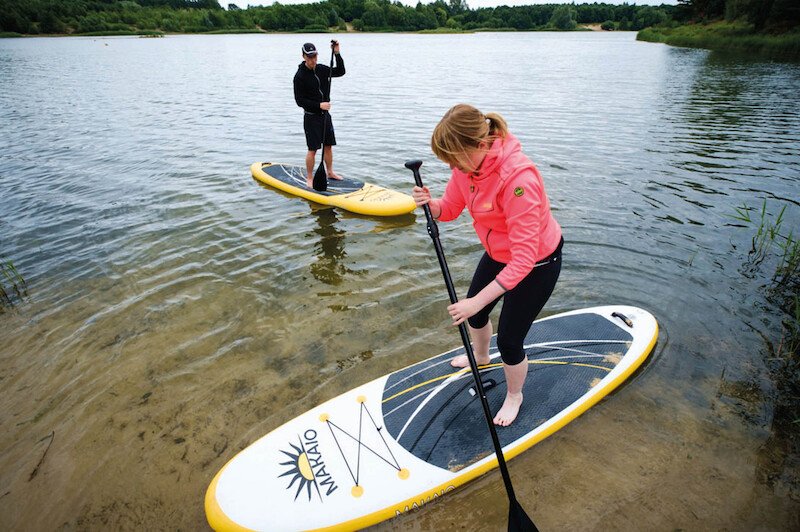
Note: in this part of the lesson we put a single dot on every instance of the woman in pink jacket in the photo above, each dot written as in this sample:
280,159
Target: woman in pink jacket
505,195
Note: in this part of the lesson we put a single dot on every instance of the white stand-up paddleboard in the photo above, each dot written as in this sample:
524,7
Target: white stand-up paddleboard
405,439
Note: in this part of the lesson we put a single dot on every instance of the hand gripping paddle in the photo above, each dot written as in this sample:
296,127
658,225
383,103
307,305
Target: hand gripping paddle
518,520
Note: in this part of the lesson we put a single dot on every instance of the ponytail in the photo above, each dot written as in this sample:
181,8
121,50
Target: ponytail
497,125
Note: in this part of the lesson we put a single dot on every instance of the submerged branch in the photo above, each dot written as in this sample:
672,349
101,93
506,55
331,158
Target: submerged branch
35,471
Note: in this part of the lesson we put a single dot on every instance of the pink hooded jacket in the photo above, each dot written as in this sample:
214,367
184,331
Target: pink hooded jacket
509,207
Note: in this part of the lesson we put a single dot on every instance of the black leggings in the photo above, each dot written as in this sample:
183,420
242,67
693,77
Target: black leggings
521,304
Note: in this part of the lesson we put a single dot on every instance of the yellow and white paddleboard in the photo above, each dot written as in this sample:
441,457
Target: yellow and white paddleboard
410,437
351,195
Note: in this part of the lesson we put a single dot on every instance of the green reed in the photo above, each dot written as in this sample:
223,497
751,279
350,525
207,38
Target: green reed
13,288
773,239
776,243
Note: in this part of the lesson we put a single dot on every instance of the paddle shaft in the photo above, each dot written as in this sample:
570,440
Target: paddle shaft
433,231
327,113
320,174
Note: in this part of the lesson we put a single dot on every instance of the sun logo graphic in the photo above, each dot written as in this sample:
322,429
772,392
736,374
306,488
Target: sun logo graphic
305,467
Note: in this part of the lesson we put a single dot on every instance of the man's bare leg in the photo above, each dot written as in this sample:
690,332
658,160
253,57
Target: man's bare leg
328,156
310,157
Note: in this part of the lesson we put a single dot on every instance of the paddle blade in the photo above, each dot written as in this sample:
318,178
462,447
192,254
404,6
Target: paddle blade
320,178
518,520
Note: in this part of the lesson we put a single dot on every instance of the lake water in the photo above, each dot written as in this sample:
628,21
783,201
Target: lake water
178,310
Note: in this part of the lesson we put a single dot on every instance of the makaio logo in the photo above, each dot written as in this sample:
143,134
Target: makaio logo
307,469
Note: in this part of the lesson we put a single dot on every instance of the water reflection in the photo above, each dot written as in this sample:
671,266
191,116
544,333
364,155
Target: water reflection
329,267
178,307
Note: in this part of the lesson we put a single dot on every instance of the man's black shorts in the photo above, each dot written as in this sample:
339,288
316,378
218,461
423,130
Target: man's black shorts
313,124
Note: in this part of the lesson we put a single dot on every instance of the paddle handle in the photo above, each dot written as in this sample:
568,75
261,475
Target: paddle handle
433,229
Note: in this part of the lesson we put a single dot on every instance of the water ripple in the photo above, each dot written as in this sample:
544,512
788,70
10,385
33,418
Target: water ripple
179,308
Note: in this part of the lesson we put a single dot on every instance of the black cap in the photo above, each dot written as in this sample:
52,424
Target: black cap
309,49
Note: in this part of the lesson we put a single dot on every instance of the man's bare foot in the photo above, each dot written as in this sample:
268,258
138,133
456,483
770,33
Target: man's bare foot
461,361
334,176
508,412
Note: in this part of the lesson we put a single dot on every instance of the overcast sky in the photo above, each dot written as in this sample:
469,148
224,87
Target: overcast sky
474,4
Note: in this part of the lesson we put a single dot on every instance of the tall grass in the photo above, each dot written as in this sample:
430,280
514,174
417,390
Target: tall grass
776,245
773,239
13,288
730,36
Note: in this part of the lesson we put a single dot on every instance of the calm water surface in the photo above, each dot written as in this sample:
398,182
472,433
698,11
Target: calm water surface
178,310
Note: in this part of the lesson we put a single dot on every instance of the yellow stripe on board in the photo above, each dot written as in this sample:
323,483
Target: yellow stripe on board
443,377
442,489
220,521
466,370
371,199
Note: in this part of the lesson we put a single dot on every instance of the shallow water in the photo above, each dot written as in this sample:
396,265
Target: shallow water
178,310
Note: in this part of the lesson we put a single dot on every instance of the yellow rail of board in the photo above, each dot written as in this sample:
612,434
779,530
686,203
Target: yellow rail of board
371,199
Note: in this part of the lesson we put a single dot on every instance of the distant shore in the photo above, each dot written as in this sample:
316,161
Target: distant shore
8,35
726,36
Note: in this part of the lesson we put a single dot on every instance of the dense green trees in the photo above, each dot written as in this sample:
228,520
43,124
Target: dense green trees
120,16
564,18
765,15
765,27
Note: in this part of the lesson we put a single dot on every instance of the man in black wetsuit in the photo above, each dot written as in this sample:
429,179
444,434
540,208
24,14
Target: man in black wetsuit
312,91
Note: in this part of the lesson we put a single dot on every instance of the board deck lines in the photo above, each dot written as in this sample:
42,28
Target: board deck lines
408,438
349,194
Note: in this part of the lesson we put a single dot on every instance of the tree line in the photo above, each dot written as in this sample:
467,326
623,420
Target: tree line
764,27
770,16
190,16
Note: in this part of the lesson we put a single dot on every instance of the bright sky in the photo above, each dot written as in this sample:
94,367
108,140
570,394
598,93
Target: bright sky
474,4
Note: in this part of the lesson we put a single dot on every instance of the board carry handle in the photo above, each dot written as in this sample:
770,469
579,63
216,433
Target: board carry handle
518,520
623,317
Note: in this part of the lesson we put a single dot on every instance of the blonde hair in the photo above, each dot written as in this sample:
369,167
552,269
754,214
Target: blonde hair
461,130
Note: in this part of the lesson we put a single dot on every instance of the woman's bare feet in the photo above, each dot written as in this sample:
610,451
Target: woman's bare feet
461,361
334,176
508,412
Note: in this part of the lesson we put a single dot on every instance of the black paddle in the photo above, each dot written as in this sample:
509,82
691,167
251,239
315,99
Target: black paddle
320,181
518,520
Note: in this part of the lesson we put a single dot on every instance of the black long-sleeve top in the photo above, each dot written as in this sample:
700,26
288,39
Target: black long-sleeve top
311,87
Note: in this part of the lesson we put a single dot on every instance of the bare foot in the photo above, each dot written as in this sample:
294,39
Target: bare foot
508,412
334,176
461,361
310,182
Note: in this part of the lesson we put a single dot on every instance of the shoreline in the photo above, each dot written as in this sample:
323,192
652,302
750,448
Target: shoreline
594,27
726,37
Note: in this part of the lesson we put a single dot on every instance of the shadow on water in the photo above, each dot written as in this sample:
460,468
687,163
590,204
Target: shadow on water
329,267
